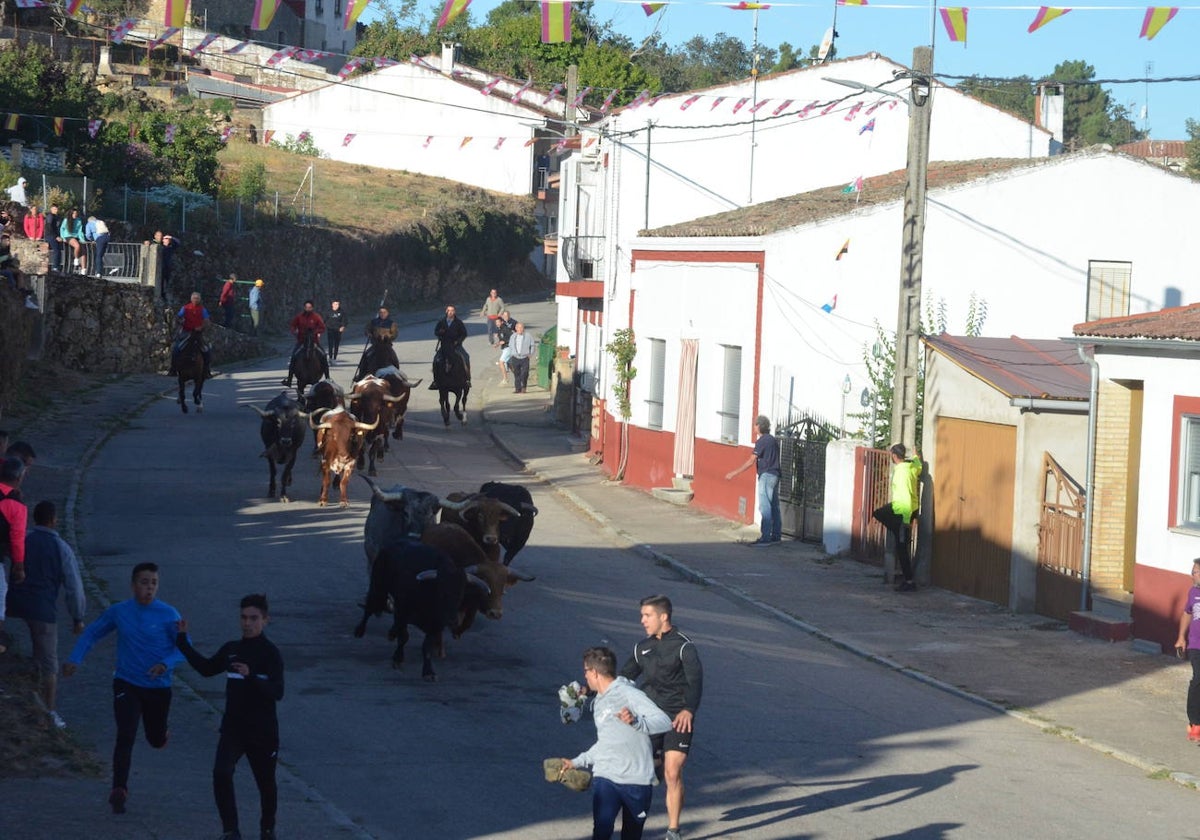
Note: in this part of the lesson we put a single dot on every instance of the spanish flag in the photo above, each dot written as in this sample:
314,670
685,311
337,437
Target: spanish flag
1156,18
955,19
852,2
12,121
264,13
556,22
451,10
73,6
1045,15
176,14
651,8
354,8
59,122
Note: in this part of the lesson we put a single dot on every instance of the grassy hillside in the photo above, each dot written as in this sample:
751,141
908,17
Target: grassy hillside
363,199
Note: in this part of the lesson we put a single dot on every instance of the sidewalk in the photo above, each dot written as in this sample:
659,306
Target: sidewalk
1106,696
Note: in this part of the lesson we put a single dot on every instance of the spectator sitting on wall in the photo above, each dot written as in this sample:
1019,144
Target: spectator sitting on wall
17,191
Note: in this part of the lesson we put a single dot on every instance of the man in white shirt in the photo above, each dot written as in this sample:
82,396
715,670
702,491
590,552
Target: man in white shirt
521,346
17,191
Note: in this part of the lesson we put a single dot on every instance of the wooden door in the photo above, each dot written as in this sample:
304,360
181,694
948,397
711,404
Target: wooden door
973,501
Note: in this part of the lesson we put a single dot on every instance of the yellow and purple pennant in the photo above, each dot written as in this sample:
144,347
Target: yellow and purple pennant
651,8
451,10
745,6
264,13
59,125
955,20
852,2
1045,15
556,22
73,6
354,10
176,13
1156,18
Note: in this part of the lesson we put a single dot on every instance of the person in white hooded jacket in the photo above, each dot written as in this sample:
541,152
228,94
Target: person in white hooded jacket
621,760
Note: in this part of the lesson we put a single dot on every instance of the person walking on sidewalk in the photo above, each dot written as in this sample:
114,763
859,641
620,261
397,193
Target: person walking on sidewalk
253,672
50,566
335,324
669,668
898,514
1188,645
766,458
621,760
521,345
493,305
146,657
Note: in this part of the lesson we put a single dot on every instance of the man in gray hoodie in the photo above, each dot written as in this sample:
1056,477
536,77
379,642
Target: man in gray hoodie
621,760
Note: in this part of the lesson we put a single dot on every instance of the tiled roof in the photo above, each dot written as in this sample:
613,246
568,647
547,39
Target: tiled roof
1155,149
1019,367
1179,322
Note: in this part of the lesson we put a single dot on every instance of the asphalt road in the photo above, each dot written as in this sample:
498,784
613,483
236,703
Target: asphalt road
795,738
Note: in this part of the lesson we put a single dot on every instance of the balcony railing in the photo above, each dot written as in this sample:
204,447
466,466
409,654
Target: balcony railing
582,255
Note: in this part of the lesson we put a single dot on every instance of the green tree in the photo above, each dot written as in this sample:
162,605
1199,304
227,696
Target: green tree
1193,149
787,58
1091,116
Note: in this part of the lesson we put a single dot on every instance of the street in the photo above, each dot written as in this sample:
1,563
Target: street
795,738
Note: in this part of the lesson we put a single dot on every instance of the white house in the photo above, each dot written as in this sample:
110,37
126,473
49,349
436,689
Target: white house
687,155
432,117
729,311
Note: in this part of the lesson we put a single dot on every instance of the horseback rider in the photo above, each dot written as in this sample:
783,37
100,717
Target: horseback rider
305,322
451,332
192,318
384,330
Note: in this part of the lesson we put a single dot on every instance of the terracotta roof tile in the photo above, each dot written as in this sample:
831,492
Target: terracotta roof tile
1155,149
1179,322
1019,367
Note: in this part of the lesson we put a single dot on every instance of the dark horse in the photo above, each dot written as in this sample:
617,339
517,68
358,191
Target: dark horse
379,354
450,377
308,368
189,364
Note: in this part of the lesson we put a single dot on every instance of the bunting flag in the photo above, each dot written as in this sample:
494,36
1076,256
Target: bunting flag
348,139
73,6
311,55
556,22
381,62
267,135
428,140
687,103
94,128
204,44
657,99
226,133
490,86
175,14
1156,18
754,108
122,29
354,8
853,112
638,100
349,67
828,108
31,4
465,141
264,13
169,133
852,2
955,20
737,106
893,103
868,126
237,48
782,107
417,60
608,101
530,142
750,7
280,55
854,186
588,142
832,305
873,108
1045,15
554,91
451,10
516,97
807,109
162,39
59,123
651,8
716,102
499,143
578,100
12,121
844,250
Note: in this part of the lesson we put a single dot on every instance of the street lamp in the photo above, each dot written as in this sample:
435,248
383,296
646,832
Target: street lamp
846,386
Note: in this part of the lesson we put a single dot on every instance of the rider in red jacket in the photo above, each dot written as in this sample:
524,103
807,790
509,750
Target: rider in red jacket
307,321
192,318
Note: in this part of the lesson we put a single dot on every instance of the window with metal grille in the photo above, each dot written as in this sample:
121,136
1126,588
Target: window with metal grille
1108,289
320,7
658,375
1189,485
731,391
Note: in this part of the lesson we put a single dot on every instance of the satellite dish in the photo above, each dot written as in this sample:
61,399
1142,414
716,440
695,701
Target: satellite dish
826,44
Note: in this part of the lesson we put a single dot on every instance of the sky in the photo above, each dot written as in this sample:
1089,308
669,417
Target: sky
998,43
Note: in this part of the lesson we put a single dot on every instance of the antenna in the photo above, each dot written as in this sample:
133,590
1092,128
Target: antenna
1146,103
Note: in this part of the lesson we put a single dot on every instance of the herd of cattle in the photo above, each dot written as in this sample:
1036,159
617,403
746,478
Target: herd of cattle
433,575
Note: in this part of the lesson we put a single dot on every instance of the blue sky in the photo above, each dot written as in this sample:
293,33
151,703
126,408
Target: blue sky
1106,36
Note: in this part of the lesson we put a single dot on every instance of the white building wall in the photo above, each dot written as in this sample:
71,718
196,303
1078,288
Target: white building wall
1158,546
394,111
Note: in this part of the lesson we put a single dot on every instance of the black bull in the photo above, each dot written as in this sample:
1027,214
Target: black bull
282,433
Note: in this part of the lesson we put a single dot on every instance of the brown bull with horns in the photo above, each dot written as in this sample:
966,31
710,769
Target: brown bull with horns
341,436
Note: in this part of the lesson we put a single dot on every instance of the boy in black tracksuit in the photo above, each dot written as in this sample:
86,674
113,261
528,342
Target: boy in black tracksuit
254,671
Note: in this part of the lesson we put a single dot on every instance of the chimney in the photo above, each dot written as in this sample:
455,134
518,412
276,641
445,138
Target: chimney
449,56
1049,107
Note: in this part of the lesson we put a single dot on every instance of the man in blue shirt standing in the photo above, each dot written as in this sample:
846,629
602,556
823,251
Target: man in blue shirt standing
146,655
766,458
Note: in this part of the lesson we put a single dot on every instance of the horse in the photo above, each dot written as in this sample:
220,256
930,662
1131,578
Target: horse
377,355
450,376
189,364
308,368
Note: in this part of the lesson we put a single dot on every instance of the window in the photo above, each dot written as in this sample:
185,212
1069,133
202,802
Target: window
337,8
320,7
658,366
731,390
1108,289
1189,473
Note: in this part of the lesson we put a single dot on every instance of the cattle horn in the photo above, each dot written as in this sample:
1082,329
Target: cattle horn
520,576
480,582
510,510
419,381
353,397
460,505
391,399
318,426
261,413
382,495
428,574
533,511
365,427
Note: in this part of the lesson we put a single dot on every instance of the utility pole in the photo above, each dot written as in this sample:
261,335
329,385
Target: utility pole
569,106
908,319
